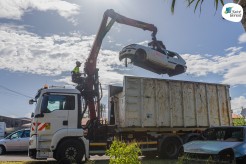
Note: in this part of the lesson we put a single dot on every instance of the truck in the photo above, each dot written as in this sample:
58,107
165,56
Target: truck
2,129
43,145
159,114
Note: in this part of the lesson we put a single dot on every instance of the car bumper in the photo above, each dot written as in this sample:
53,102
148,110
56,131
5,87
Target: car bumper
204,161
127,53
196,158
32,142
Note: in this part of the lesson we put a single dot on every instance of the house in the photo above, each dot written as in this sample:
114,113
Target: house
14,122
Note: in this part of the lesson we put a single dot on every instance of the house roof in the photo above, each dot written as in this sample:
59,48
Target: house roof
234,115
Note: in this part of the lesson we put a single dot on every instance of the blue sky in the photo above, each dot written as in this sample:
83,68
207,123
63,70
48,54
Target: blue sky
41,40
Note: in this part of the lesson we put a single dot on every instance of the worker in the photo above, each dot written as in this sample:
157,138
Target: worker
76,75
157,45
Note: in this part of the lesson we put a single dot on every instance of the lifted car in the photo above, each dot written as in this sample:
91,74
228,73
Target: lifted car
218,145
161,62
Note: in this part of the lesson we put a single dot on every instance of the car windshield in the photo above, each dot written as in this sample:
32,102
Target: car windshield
224,134
171,54
14,135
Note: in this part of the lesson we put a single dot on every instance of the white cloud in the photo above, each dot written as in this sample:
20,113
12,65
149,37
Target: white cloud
231,66
237,104
15,9
233,50
242,38
27,52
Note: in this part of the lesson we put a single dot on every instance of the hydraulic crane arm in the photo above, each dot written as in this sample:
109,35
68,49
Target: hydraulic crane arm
90,64
91,81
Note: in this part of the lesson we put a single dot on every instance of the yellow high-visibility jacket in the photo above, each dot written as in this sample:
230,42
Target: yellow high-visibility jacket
76,70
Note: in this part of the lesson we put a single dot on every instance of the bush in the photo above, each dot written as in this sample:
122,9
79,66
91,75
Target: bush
122,153
239,121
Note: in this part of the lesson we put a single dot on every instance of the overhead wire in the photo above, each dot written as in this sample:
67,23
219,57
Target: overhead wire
16,92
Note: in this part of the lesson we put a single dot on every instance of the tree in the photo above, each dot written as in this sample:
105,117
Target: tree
197,3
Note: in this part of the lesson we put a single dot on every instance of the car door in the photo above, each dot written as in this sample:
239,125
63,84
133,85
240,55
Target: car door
157,57
12,142
173,59
24,140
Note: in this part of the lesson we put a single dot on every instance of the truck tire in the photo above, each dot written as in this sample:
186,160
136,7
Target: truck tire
170,148
70,150
2,150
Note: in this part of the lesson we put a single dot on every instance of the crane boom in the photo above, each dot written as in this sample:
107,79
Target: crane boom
91,80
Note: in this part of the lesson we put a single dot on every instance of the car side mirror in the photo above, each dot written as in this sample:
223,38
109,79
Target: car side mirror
32,115
32,101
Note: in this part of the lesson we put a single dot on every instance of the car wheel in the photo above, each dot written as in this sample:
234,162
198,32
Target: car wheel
141,55
70,151
2,150
179,69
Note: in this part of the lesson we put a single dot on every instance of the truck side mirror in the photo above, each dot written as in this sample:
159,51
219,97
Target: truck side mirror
32,115
32,101
39,115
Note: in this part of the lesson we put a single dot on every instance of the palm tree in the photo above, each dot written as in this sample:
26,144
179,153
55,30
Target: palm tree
198,3
243,4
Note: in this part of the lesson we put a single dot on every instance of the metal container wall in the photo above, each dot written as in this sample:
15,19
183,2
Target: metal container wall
148,102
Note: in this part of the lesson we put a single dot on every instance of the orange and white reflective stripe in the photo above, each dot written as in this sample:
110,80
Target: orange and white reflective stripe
41,126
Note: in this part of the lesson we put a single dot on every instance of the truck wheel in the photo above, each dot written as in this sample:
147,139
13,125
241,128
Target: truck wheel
170,148
2,149
70,150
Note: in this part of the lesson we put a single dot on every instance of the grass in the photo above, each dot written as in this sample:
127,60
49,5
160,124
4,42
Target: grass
144,161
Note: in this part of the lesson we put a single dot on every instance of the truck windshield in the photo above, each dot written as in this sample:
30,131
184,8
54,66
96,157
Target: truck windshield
51,103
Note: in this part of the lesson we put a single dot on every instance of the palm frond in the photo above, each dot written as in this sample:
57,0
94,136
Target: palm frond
198,2
222,2
190,2
196,5
201,6
172,6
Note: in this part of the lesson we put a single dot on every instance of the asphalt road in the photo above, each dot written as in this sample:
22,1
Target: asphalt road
16,156
23,156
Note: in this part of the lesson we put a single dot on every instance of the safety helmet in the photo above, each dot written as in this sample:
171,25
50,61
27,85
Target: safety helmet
78,63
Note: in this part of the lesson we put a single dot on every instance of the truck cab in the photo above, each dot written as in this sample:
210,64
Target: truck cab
56,130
